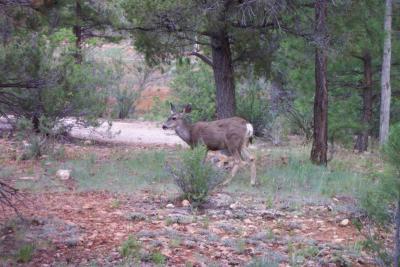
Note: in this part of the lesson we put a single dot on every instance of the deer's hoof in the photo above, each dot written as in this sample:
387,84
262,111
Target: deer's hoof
255,183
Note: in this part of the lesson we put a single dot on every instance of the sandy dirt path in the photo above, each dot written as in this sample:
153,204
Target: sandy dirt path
132,132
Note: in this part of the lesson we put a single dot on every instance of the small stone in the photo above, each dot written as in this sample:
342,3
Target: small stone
63,174
189,243
71,242
170,206
247,221
185,203
87,207
27,178
344,222
234,205
180,219
228,213
87,142
276,231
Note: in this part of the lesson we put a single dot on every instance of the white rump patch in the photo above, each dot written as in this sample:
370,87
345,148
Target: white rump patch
249,130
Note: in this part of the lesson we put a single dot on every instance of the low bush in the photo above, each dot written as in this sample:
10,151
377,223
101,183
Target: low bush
194,176
25,253
131,248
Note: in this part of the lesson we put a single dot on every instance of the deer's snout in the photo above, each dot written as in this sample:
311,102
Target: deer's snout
164,127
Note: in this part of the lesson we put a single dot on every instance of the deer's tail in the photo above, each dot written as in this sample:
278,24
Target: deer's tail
249,132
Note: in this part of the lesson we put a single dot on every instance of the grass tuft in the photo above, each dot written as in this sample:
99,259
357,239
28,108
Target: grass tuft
25,253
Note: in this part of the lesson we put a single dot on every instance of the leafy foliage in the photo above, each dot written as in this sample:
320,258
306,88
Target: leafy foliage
392,148
194,84
56,86
252,104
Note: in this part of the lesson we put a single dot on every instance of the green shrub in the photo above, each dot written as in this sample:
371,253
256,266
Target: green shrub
376,199
157,258
25,253
392,148
125,102
131,248
194,176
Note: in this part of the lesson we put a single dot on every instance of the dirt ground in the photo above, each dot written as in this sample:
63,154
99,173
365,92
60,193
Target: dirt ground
132,132
87,228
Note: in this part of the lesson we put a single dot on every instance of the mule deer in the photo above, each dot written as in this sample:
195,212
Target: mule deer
232,135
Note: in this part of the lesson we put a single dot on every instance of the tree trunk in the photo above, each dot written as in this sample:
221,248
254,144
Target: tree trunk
362,138
396,253
78,32
385,78
320,134
36,124
223,76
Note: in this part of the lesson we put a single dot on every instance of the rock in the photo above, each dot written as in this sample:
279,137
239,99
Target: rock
240,215
87,142
234,205
63,174
170,206
87,207
72,242
247,221
344,222
294,226
180,219
136,216
185,203
189,243
27,178
276,231
221,200
228,213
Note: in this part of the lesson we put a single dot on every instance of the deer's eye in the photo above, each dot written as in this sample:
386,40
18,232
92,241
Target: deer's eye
173,118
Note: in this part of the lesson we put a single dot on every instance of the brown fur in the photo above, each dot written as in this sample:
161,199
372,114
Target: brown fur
225,134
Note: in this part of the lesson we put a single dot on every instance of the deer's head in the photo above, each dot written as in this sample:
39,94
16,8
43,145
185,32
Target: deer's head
177,117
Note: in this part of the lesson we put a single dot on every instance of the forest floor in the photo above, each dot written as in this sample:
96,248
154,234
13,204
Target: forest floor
121,208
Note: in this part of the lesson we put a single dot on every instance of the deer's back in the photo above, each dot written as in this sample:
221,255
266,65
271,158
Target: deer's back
216,134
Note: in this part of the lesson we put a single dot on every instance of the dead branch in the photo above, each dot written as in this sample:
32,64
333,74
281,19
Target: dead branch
8,197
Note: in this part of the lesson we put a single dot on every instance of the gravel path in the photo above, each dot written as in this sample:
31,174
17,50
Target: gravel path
132,132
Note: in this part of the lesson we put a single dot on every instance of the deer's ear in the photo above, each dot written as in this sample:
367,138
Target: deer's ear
173,108
187,108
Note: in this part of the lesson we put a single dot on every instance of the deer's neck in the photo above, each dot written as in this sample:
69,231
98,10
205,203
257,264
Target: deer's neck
184,132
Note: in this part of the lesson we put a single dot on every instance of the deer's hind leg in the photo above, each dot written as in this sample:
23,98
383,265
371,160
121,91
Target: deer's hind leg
252,161
235,168
233,143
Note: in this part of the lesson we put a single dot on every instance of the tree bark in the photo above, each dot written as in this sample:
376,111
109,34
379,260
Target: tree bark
223,75
385,78
362,138
320,133
78,32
